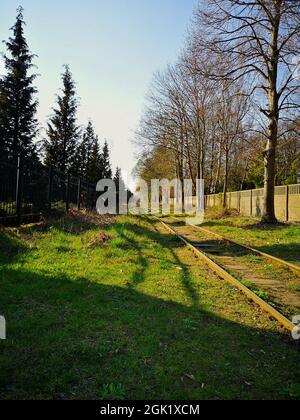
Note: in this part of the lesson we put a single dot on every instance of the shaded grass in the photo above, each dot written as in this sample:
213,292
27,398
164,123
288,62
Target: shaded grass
275,284
135,317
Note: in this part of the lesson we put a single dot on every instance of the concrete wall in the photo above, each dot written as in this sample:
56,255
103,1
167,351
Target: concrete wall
250,203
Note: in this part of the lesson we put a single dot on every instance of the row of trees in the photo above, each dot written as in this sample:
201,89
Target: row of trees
70,148
228,110
66,146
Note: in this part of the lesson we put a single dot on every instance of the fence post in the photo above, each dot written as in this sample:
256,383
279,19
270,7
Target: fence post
79,194
68,193
50,186
251,203
19,184
287,203
239,201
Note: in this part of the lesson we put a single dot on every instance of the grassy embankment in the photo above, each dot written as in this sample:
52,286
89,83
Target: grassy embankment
122,310
282,241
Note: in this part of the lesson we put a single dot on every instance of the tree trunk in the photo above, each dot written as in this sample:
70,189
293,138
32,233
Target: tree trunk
212,166
270,152
225,181
190,164
202,158
217,179
244,176
270,171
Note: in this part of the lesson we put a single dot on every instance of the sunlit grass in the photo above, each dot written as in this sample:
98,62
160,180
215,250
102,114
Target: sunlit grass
130,315
282,240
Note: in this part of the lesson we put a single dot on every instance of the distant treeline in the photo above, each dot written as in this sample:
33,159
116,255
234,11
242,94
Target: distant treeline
228,110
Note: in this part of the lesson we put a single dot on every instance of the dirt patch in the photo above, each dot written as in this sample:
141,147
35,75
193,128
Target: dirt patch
219,213
100,239
90,217
264,226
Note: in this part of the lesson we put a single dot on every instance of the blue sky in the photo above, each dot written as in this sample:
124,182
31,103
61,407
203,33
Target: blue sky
113,48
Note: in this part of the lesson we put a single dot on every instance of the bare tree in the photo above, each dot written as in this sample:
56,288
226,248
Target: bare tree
231,111
199,122
259,39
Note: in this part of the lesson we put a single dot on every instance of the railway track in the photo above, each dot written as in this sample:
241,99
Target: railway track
220,255
280,262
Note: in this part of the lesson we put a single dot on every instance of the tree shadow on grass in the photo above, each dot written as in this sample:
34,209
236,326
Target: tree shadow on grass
167,241
74,223
287,251
11,247
142,262
186,277
67,338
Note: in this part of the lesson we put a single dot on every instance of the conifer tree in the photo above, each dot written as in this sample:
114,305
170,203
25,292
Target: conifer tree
118,180
61,145
18,106
95,167
119,183
106,165
3,140
89,156
121,188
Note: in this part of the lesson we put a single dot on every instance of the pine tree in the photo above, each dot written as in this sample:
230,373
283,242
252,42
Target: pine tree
95,166
18,106
3,140
118,183
121,187
89,157
118,180
61,145
106,165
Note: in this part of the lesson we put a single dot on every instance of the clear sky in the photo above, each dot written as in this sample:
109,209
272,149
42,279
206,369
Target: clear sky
113,48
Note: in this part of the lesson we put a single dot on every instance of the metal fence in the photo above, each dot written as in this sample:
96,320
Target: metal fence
250,203
26,192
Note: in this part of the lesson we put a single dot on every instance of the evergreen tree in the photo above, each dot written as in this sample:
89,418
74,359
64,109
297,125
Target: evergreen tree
119,183
3,140
106,165
89,156
95,167
85,150
120,186
61,145
118,180
18,106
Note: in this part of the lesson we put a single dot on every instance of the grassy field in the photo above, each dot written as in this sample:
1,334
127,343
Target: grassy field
277,285
281,241
121,310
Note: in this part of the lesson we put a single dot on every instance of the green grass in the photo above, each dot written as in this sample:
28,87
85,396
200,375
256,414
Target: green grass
281,241
123,311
